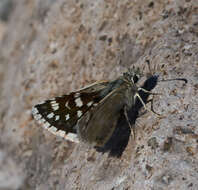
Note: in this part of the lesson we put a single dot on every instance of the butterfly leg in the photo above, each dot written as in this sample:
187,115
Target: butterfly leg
137,95
151,100
152,109
127,119
148,92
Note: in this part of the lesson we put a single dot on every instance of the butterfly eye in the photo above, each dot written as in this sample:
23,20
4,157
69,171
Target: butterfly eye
135,78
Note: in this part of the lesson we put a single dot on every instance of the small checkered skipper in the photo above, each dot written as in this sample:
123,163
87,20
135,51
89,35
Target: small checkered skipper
90,114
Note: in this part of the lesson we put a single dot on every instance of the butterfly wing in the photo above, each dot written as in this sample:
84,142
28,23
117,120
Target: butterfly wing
60,115
97,125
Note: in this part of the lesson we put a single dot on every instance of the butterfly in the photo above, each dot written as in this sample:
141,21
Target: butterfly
91,113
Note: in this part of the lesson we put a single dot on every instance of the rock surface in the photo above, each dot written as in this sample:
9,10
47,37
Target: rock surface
49,48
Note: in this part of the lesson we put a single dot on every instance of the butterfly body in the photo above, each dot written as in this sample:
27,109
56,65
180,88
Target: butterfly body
97,125
91,113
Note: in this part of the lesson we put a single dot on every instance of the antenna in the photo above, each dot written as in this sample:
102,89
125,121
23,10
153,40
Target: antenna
165,80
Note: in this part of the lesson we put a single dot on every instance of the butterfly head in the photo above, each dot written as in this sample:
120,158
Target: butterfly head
132,75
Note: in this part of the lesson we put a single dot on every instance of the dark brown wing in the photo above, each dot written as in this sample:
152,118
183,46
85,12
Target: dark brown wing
60,115
97,125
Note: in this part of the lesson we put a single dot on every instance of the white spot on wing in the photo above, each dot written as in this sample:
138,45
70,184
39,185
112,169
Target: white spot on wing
34,111
90,103
53,129
61,133
42,102
67,117
55,107
67,106
53,102
57,117
78,102
37,116
41,121
51,115
76,95
79,113
46,125
72,137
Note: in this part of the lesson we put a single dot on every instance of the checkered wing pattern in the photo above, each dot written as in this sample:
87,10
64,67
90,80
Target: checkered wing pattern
60,115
